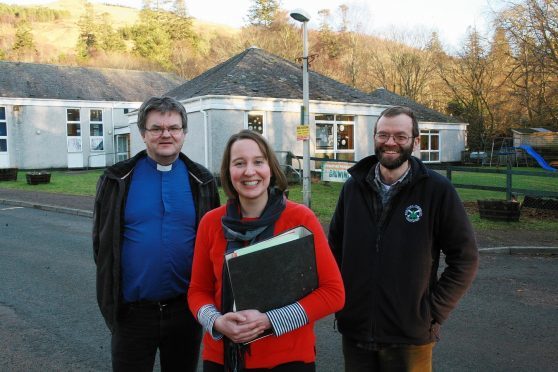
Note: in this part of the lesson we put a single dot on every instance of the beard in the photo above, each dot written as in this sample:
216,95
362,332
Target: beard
405,154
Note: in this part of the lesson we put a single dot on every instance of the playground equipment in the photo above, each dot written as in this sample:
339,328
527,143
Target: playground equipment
538,158
503,151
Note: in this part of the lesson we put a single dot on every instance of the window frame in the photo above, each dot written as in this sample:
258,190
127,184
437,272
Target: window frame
74,143
4,137
94,139
426,154
264,121
121,155
336,123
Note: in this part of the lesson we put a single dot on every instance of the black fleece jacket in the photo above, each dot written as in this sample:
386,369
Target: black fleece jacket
108,222
389,256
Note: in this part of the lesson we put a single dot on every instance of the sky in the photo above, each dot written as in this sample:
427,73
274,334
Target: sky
449,18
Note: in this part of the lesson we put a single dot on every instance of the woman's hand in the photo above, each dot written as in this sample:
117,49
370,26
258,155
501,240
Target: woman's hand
242,326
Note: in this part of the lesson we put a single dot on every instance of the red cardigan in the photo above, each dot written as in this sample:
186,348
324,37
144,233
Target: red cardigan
205,288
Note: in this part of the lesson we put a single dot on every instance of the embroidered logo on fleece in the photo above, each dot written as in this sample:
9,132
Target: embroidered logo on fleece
413,213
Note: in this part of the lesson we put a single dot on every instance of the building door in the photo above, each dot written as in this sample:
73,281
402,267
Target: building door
73,138
122,147
4,157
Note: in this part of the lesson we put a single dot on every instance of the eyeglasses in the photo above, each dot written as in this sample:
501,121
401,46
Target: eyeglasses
157,131
400,139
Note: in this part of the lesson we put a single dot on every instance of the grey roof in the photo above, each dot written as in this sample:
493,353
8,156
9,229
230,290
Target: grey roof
257,73
31,80
423,113
535,130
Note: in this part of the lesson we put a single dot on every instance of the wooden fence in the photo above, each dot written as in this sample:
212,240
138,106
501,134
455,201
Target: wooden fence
509,172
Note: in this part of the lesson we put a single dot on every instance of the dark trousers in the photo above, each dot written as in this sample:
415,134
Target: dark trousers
387,357
148,326
287,367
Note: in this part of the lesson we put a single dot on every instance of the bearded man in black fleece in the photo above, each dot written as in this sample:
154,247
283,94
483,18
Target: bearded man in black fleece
393,218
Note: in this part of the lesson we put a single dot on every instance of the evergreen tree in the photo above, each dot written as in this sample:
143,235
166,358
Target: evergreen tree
263,12
97,34
151,38
23,38
110,40
88,39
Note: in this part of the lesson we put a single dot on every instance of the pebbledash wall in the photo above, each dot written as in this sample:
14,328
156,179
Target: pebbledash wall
38,133
213,119
47,133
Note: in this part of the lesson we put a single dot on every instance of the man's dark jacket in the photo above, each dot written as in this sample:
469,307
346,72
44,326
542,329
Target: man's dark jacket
108,219
389,256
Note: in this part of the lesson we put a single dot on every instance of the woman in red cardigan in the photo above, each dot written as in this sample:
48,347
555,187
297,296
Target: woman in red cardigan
257,209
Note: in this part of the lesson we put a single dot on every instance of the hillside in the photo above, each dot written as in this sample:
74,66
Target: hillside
55,41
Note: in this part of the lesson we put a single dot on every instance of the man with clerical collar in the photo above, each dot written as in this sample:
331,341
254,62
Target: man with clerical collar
146,214
393,218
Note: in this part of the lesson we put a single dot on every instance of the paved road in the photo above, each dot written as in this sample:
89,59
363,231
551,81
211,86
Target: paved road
49,319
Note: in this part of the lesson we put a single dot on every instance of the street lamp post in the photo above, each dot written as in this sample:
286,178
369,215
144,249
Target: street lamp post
303,17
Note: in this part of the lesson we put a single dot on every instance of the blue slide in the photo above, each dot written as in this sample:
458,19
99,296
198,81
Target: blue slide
538,158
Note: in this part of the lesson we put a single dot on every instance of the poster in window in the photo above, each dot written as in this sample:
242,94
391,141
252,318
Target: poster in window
97,144
324,136
74,144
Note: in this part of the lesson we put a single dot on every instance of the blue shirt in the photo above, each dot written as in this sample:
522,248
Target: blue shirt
159,233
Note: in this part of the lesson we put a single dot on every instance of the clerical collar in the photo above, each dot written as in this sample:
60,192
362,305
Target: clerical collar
159,167
164,168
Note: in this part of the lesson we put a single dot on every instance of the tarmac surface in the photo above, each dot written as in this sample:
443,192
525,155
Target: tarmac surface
507,320
71,204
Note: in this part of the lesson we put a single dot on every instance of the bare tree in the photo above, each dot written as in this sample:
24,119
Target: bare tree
471,80
532,29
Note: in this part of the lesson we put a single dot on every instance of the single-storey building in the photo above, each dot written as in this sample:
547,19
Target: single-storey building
70,117
74,117
263,92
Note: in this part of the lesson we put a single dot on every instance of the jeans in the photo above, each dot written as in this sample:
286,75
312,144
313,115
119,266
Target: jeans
387,357
144,328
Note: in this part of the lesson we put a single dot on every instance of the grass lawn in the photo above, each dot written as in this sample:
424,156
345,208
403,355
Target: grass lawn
324,196
64,182
499,180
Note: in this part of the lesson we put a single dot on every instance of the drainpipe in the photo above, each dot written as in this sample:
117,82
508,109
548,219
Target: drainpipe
205,136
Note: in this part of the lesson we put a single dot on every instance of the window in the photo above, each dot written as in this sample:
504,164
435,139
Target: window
73,126
430,145
256,122
96,130
122,147
3,131
335,136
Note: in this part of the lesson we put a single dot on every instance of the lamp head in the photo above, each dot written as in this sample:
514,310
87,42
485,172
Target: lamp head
300,15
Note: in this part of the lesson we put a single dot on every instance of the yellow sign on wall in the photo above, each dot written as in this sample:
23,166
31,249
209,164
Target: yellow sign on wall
302,132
